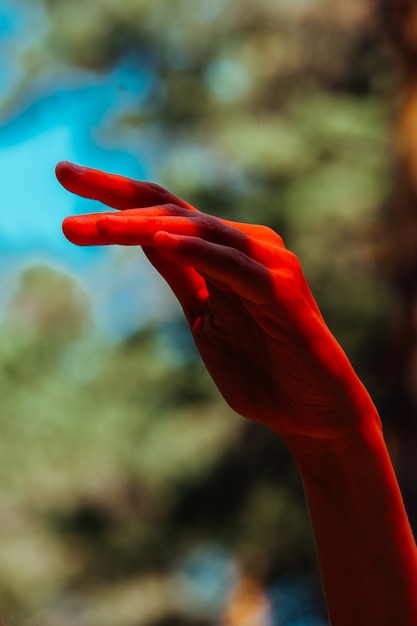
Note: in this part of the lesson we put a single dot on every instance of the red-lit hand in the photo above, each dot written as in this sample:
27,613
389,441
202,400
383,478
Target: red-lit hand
273,358
250,310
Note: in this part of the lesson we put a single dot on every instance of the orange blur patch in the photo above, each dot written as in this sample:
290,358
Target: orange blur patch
247,606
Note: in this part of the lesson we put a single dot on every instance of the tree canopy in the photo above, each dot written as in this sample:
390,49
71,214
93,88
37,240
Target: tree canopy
122,468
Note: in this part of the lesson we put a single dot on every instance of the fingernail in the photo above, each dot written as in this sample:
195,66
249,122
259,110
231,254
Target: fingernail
68,165
79,169
77,219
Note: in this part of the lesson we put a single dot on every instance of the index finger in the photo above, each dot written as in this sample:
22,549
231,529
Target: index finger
118,192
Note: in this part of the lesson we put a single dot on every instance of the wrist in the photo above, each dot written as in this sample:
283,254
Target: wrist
364,432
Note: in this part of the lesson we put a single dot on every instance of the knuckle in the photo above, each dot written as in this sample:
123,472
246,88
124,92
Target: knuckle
175,209
292,262
158,189
271,235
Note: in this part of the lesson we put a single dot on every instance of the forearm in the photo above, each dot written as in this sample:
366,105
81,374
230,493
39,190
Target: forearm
366,549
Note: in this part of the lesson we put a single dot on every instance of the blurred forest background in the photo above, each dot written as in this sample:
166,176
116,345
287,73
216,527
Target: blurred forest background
130,494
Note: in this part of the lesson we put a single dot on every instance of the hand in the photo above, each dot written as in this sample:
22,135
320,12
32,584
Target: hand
250,310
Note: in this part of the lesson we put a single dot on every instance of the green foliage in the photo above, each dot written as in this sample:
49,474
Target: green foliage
117,461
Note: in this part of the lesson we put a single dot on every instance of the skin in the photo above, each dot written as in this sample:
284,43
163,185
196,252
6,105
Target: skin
264,342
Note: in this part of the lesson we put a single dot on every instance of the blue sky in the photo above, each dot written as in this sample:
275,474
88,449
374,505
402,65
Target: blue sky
67,117
53,125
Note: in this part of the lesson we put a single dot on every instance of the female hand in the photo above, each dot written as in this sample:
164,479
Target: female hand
250,310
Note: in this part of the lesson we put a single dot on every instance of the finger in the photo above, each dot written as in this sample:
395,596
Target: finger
116,191
131,230
187,284
132,227
226,229
229,268
254,232
139,230
82,230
